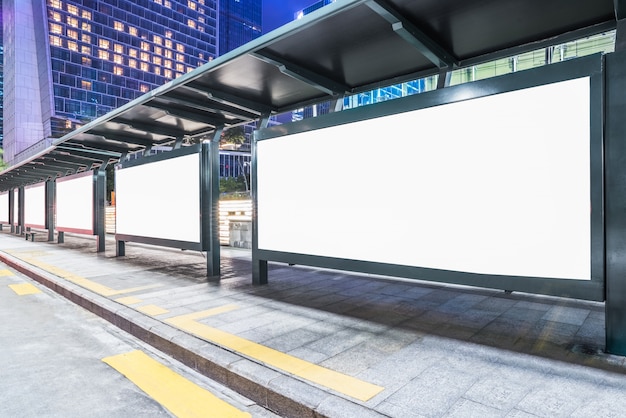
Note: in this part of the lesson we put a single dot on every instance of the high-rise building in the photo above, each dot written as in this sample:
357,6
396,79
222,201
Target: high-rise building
70,61
239,22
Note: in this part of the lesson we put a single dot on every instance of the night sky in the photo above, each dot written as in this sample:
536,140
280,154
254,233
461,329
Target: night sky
279,12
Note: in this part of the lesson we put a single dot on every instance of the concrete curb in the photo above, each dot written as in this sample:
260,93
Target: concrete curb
267,387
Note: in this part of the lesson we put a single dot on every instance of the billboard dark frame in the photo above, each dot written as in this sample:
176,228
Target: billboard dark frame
592,289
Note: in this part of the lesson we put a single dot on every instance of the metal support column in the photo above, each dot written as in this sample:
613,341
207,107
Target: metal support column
259,267
99,218
615,202
211,202
12,213
20,211
50,205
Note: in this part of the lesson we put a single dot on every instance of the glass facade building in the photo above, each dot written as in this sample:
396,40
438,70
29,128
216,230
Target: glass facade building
88,57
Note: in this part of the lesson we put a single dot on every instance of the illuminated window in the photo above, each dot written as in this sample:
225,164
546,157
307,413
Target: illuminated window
118,26
56,16
57,4
85,50
169,44
158,1
55,41
145,46
180,68
157,39
180,47
145,56
85,38
86,14
86,61
56,29
72,21
118,70
189,69
158,50
132,30
132,52
201,1
201,28
191,5
169,54
118,48
191,23
103,55
73,10
104,43
72,46
118,59
201,19
86,26
168,64
157,60
167,73
144,66
144,89
71,33
168,4
168,33
132,63
180,57
157,70
85,84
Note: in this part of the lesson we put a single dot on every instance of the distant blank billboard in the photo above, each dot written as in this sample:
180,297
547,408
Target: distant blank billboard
35,206
160,200
75,203
497,185
4,208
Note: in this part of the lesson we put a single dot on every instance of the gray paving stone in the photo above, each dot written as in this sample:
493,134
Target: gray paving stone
465,408
572,316
498,392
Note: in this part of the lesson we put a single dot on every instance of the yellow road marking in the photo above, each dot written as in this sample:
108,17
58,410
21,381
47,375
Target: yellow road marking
152,310
24,289
6,272
180,396
84,282
129,300
339,382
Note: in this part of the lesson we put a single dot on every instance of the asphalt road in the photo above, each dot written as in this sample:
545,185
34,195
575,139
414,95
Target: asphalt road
51,363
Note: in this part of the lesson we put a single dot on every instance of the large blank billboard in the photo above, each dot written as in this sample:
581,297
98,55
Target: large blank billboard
35,206
160,200
4,208
497,185
75,203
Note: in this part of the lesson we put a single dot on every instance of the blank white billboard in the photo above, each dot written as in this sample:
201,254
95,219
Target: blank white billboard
35,206
160,199
74,204
4,208
497,185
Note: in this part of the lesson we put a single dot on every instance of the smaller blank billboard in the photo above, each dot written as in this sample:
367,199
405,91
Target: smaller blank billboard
75,204
4,208
35,206
159,200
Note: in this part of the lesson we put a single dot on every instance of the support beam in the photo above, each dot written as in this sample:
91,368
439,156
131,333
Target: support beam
99,208
214,108
190,115
259,267
413,35
620,32
324,84
229,99
211,201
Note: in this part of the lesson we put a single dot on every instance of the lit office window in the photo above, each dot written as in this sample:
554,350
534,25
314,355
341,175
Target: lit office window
86,26
103,55
180,68
132,63
55,40
86,14
168,4
56,16
132,30
145,46
144,66
158,50
118,48
118,70
118,59
144,89
157,70
57,4
86,50
191,23
145,56
169,54
157,60
201,1
86,61
72,46
157,39
132,52
180,47
167,64
104,43
56,29
73,10
158,1
85,84
118,26
72,21
191,5
180,58
201,28
168,33
167,73
71,33
201,19
85,38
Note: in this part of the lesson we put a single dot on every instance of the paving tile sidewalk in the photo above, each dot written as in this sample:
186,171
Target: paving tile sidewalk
434,350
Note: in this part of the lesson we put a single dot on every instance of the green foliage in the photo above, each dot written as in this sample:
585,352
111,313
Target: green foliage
230,185
234,135
3,165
